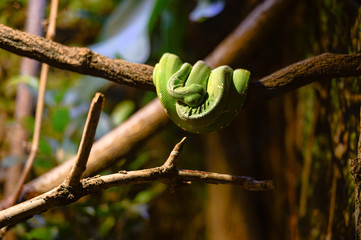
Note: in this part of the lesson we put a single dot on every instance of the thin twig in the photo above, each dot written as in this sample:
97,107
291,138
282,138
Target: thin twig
173,156
63,195
38,113
39,108
331,214
247,183
108,149
86,142
24,98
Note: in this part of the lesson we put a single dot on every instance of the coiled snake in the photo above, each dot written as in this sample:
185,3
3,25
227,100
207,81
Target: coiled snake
199,99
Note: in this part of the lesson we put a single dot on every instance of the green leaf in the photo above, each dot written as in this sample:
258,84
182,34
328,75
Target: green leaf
28,123
147,195
6,104
139,161
42,165
122,111
148,96
106,226
60,119
172,27
58,97
26,79
44,147
159,6
40,234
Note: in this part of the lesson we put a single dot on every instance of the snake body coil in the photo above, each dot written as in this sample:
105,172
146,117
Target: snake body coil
198,99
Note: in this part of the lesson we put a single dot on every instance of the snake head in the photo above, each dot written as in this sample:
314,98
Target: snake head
183,88
195,96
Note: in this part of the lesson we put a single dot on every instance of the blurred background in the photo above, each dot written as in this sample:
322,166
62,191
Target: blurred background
301,140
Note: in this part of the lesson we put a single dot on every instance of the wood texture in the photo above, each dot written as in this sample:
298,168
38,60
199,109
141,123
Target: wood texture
167,173
77,59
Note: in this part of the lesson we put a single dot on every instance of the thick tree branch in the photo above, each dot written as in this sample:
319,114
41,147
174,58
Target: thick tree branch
82,60
76,59
324,66
167,173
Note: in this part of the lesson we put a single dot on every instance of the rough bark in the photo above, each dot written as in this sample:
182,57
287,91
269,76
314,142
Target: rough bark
324,66
84,61
77,59
107,150
167,173
139,75
267,88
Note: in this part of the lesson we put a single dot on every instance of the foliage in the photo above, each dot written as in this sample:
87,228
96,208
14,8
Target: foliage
301,140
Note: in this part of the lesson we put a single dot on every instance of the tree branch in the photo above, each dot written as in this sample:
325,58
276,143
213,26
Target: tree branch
84,61
76,59
86,142
107,150
246,183
39,107
173,156
324,66
121,140
166,173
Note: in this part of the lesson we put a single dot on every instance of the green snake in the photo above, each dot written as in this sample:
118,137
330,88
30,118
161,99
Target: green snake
199,99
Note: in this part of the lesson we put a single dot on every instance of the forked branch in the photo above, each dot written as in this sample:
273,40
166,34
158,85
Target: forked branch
86,142
167,173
